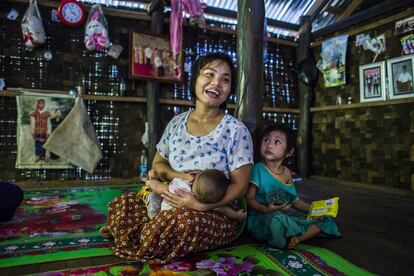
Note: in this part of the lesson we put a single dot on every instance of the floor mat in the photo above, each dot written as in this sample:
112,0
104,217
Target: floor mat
58,224
255,259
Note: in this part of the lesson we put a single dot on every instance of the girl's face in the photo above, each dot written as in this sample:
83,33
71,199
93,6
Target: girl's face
274,146
214,83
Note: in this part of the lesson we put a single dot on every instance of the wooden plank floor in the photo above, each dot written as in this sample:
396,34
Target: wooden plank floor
376,229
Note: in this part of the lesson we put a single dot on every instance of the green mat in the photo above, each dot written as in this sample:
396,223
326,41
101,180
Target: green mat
58,224
257,259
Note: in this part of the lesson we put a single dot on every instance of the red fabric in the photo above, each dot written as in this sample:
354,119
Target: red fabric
193,8
41,121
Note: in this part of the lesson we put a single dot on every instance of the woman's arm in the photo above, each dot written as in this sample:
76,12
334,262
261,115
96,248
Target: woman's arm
239,180
165,172
257,206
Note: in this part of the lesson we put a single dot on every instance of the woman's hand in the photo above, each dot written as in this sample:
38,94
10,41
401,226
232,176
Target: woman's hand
272,206
183,199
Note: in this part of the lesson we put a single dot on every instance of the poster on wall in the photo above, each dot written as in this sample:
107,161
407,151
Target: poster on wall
333,60
400,75
407,43
404,26
39,114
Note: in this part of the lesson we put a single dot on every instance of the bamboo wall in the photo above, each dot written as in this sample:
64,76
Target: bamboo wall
367,143
119,125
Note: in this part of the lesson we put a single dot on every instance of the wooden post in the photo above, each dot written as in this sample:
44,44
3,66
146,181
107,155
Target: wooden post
152,92
305,95
250,36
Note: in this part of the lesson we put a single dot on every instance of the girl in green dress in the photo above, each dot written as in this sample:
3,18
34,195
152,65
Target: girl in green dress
271,195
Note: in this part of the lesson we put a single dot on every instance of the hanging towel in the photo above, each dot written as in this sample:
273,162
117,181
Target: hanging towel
75,139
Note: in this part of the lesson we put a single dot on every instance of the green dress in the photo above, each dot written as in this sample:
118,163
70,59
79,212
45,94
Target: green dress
276,227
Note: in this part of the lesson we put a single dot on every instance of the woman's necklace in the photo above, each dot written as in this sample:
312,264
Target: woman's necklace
282,170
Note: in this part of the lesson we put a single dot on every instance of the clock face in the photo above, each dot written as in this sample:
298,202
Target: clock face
71,13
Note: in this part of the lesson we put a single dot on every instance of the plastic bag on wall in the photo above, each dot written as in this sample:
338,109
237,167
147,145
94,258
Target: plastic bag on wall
96,30
32,27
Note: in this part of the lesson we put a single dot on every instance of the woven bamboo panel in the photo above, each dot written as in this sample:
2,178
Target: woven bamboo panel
119,125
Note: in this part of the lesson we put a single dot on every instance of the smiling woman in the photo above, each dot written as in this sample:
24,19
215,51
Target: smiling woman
204,138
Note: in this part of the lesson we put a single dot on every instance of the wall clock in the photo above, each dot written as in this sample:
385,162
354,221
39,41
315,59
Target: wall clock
71,13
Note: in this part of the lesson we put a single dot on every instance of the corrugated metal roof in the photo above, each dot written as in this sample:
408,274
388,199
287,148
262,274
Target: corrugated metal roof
283,15
279,10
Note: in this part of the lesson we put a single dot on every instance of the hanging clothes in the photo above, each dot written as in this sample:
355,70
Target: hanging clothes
194,8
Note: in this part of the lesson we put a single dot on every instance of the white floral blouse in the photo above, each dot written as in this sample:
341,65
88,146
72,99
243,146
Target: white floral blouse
226,148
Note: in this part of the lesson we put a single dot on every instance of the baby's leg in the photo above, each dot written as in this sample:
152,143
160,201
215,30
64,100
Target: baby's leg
312,231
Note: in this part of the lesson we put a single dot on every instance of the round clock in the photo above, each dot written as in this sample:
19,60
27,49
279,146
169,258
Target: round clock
71,13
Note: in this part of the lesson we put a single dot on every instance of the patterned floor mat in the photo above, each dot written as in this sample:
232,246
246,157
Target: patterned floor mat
55,224
255,259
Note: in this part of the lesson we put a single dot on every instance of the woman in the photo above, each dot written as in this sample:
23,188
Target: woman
203,138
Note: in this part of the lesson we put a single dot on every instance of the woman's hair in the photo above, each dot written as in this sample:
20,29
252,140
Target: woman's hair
202,61
290,137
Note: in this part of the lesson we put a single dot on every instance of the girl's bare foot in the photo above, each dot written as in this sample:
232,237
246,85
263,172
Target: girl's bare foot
293,242
105,232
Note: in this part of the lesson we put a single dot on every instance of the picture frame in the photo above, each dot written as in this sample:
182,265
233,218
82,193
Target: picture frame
400,77
372,83
151,59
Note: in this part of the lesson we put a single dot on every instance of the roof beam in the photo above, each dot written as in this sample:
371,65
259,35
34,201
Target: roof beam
362,16
355,4
334,10
233,15
316,8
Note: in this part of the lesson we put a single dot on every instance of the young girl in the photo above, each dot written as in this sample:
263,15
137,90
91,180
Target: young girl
271,194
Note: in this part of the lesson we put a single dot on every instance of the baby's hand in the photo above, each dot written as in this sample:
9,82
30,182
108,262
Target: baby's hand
190,176
241,214
278,207
152,174
153,184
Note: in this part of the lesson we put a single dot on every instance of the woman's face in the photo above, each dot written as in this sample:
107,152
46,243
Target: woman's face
213,83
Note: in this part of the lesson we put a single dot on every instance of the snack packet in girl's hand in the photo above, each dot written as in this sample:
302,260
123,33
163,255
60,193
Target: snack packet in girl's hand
323,208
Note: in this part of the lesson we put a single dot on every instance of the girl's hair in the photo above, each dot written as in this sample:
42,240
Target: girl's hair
290,137
202,61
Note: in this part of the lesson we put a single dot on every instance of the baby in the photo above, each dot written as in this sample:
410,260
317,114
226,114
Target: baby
209,186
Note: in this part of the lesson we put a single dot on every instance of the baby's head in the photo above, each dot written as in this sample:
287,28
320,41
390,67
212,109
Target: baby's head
210,186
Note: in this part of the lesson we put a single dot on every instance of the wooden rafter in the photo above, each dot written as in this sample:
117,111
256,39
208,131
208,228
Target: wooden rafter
316,8
334,10
353,6
363,16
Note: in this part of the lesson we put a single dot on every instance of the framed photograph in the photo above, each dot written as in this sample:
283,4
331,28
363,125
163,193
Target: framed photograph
372,82
151,58
400,77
